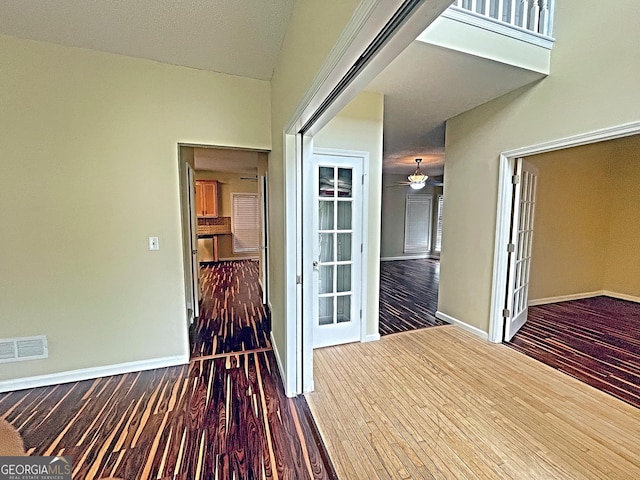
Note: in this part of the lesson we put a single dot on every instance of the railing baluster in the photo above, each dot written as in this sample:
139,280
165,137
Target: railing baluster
525,14
544,18
500,9
532,15
535,16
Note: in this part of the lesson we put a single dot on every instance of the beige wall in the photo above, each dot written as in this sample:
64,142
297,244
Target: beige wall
592,85
359,127
313,29
622,274
394,203
89,172
571,229
587,220
229,183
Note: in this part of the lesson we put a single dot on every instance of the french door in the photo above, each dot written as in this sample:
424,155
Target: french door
521,245
336,252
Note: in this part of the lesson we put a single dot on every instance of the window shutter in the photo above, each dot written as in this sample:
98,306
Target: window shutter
417,226
246,222
438,242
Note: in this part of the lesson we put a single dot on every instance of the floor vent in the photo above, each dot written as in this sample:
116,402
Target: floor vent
25,348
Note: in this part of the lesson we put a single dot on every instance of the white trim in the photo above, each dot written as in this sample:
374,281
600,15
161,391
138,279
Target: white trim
500,257
276,353
621,296
405,257
465,326
565,298
231,259
373,337
502,28
91,373
292,377
580,296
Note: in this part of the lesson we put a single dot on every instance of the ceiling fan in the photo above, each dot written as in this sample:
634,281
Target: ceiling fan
417,180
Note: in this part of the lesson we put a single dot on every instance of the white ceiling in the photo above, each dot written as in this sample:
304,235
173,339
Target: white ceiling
226,160
238,37
425,86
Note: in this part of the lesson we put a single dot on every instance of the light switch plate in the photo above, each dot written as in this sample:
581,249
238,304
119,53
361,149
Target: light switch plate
153,243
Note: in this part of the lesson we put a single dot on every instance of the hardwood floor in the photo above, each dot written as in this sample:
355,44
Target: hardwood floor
217,418
224,416
596,340
441,403
408,295
232,316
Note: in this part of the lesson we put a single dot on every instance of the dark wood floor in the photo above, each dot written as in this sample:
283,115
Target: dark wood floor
232,316
408,295
596,340
216,418
224,416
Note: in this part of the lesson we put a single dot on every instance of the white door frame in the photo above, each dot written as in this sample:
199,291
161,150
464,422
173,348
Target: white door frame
367,21
503,218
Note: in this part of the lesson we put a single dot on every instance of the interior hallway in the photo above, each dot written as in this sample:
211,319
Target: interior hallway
596,340
232,315
442,403
408,295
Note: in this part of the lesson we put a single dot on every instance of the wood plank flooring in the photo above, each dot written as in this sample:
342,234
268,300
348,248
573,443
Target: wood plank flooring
596,340
223,418
408,295
232,315
441,403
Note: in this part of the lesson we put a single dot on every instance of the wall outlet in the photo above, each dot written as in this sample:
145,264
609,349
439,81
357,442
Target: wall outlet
153,243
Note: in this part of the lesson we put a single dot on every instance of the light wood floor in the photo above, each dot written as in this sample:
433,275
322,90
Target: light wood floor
441,403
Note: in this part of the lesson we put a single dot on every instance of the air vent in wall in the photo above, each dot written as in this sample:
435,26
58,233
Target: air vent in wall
25,348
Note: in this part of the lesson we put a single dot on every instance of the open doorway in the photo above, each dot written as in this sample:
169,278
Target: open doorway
584,297
410,239
225,245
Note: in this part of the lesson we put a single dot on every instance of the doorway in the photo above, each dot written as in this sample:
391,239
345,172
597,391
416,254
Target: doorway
224,233
333,186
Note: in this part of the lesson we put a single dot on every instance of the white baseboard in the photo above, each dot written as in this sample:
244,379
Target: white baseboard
91,373
274,346
563,298
580,296
621,296
465,326
371,337
405,257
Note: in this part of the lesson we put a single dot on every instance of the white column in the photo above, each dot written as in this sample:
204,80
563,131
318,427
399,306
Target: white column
513,12
474,6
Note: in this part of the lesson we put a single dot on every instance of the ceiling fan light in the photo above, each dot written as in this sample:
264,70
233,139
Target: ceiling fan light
417,185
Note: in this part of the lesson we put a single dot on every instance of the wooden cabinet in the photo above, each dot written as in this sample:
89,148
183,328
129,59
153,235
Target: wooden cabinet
206,198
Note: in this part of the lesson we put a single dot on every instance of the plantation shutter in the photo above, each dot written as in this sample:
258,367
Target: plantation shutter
417,226
438,242
246,222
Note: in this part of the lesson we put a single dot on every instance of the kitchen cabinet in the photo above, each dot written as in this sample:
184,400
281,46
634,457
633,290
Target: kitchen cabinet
207,198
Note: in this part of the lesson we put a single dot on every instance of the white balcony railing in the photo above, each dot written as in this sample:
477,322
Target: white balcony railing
531,15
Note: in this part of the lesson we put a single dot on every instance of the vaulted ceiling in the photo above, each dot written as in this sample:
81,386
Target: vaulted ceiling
238,37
